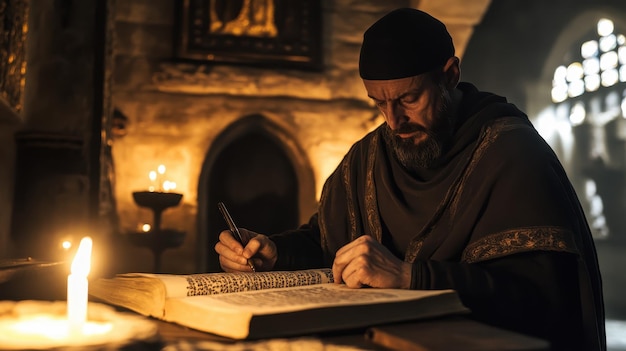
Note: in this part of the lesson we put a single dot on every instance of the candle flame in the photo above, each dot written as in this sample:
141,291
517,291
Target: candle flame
161,169
167,186
81,265
152,175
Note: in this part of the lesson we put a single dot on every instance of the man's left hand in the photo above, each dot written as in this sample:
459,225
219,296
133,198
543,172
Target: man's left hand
366,262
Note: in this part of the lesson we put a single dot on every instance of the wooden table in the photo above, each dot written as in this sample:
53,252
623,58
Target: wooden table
441,334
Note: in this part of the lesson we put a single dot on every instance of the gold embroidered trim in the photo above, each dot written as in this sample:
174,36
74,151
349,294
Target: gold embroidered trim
490,134
520,240
414,248
345,167
322,222
371,202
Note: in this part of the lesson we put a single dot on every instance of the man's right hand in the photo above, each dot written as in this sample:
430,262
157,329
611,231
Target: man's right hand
234,257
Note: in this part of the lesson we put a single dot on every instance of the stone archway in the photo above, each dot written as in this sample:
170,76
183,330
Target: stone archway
265,180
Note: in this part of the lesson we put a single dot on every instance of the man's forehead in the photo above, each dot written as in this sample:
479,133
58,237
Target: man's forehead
384,89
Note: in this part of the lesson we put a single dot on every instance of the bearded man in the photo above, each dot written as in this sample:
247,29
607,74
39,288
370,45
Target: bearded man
455,191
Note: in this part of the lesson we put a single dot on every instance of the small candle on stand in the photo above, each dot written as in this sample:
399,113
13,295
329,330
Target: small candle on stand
168,185
161,173
78,286
153,176
157,182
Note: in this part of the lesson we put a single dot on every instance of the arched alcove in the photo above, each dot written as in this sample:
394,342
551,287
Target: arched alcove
256,168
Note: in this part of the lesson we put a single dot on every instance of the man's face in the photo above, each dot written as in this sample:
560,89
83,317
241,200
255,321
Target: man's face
416,110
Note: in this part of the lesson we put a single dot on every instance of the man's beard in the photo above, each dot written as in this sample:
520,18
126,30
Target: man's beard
427,152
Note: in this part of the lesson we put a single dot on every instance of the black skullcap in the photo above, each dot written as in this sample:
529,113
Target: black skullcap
404,43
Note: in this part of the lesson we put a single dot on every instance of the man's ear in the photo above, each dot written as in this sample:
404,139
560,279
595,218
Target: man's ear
452,72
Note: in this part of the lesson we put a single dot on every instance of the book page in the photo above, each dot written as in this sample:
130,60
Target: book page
306,309
314,296
220,283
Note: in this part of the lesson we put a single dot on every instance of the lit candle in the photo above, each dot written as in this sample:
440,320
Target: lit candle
77,286
63,325
66,245
161,171
168,185
153,176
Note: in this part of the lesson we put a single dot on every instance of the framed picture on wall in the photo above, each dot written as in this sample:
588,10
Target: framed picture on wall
13,16
275,33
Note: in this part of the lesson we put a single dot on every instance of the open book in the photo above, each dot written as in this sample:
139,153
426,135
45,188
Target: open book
146,293
269,304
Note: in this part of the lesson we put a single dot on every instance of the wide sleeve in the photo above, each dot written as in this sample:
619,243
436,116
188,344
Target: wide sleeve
520,265
299,248
534,292
519,199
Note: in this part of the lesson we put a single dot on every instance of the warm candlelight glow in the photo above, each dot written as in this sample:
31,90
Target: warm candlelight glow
77,286
167,186
66,245
39,325
157,181
146,227
153,176
51,328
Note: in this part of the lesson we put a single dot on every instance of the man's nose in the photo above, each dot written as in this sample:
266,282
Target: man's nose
395,116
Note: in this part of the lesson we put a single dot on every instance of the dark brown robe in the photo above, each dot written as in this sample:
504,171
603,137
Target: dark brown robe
497,220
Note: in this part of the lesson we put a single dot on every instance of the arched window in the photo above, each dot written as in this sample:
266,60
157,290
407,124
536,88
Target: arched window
601,64
589,91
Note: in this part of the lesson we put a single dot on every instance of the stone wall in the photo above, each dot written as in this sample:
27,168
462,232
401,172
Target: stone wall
14,16
9,123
